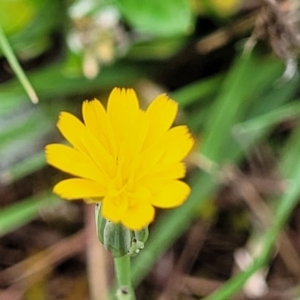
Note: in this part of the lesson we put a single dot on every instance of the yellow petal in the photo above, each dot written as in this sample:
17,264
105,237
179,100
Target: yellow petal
72,129
113,208
77,188
96,121
139,194
139,216
168,194
177,143
73,162
173,147
162,112
99,155
166,171
122,108
133,141
146,160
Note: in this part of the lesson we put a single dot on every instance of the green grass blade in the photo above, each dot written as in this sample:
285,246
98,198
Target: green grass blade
24,168
19,214
11,58
290,155
286,204
236,98
197,91
249,132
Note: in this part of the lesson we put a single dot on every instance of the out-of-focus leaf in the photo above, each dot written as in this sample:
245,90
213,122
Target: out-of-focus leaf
22,10
234,103
23,132
249,132
39,18
23,168
198,91
16,215
289,163
16,67
156,17
159,49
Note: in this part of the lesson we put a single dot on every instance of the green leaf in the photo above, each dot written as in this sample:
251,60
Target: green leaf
233,104
156,17
29,24
249,132
15,65
198,91
19,214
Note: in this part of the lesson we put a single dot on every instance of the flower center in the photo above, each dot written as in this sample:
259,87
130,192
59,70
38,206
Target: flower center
115,187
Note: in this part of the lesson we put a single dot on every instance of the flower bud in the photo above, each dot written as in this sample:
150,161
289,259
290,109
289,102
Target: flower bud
118,239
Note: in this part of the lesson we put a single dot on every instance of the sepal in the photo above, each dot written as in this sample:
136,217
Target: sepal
118,239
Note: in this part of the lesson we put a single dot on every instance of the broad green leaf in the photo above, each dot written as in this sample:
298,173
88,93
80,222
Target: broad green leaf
22,10
29,24
156,17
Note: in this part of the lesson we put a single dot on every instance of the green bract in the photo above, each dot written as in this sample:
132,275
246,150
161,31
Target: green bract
118,239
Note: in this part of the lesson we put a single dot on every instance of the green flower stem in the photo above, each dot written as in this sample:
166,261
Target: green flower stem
13,62
125,290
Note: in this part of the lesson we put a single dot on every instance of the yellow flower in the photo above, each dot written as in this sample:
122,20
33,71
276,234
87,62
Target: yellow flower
128,159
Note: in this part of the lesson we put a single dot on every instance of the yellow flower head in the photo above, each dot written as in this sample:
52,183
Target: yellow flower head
128,159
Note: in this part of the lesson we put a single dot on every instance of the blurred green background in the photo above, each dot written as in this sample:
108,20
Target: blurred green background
232,67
